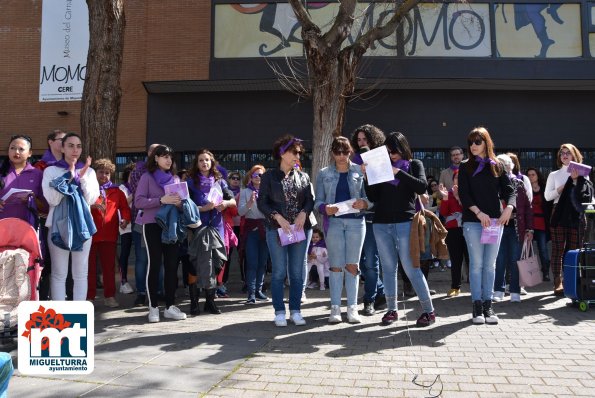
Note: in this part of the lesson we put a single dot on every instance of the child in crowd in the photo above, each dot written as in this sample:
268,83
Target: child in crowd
106,210
318,257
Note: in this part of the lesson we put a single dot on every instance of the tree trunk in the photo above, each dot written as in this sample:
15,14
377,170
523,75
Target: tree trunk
100,105
329,111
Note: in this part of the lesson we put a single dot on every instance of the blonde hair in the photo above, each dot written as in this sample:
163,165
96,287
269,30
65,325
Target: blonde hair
104,164
576,154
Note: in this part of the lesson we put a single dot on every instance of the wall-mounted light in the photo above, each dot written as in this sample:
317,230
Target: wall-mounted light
63,113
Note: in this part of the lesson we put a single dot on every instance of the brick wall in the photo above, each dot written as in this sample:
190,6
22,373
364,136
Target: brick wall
165,40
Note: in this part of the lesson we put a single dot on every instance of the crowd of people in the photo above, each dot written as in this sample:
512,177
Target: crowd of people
328,234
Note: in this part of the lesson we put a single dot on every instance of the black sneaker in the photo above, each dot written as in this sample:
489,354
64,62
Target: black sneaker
390,317
368,309
490,316
250,301
260,296
140,300
380,302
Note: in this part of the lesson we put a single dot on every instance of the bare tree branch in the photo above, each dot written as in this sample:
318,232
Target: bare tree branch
342,24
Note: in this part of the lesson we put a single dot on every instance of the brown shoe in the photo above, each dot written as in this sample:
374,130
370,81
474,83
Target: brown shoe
558,286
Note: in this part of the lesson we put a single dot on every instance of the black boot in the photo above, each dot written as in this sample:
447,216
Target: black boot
210,305
490,316
478,318
193,292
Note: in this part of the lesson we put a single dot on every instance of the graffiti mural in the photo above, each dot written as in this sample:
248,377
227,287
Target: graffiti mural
538,30
429,30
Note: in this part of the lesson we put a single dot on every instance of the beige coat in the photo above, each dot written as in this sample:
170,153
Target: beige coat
417,238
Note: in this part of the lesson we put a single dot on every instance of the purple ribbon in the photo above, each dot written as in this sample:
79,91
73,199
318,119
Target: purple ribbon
519,176
400,164
290,143
454,167
481,163
105,187
162,178
48,157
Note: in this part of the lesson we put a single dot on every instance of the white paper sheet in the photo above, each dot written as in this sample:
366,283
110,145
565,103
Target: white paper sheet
378,165
345,207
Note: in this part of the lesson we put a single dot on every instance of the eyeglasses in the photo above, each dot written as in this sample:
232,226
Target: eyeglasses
565,153
456,154
236,178
256,175
339,153
477,142
394,151
296,152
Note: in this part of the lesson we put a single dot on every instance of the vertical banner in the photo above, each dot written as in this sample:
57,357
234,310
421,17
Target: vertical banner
64,46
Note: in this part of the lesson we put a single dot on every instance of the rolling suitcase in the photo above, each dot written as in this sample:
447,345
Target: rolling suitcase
579,276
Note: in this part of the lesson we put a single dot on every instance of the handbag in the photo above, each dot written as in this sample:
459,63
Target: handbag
529,268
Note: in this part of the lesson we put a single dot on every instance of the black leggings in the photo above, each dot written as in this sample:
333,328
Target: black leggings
158,253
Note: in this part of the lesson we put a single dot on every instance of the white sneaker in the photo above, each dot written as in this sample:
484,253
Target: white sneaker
515,297
322,287
312,285
174,312
353,315
110,302
479,320
280,320
497,296
297,319
335,316
523,291
125,288
153,314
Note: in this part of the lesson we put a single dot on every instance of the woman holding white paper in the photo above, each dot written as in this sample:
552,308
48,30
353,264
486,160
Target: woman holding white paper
483,184
342,181
16,173
285,198
394,204
567,222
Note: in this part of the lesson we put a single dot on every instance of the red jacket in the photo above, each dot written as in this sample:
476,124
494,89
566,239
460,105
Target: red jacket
448,207
107,220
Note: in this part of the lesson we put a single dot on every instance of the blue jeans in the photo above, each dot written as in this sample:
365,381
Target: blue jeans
287,259
393,245
482,262
344,241
370,267
544,255
257,254
508,254
140,262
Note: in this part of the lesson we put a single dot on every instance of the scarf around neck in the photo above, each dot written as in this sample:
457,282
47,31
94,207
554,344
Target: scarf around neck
454,166
105,187
163,178
320,243
400,164
481,163
252,187
205,183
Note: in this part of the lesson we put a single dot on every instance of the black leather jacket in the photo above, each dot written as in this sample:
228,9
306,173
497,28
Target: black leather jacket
271,198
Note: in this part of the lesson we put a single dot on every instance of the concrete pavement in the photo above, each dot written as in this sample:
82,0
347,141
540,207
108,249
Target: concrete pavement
540,348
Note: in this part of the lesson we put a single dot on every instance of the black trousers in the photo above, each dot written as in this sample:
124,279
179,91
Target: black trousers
457,250
160,253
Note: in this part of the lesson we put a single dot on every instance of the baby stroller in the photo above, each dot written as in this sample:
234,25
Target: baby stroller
20,268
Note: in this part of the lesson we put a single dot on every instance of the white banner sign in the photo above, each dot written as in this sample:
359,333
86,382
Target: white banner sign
64,45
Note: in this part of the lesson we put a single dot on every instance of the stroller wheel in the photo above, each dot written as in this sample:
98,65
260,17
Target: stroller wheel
583,306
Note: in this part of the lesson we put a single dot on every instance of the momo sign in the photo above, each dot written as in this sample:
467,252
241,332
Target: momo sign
64,45
56,337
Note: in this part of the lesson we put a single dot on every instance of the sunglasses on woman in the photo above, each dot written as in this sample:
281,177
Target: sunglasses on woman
477,142
236,178
339,153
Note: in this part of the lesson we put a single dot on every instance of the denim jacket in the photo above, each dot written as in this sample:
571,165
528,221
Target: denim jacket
326,186
173,222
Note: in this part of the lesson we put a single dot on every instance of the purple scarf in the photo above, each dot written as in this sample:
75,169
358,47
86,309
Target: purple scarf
162,178
105,187
235,190
400,164
252,187
205,183
519,176
454,167
481,163
62,164
48,157
320,243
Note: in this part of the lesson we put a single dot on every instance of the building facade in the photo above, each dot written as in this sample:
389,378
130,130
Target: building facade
200,74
